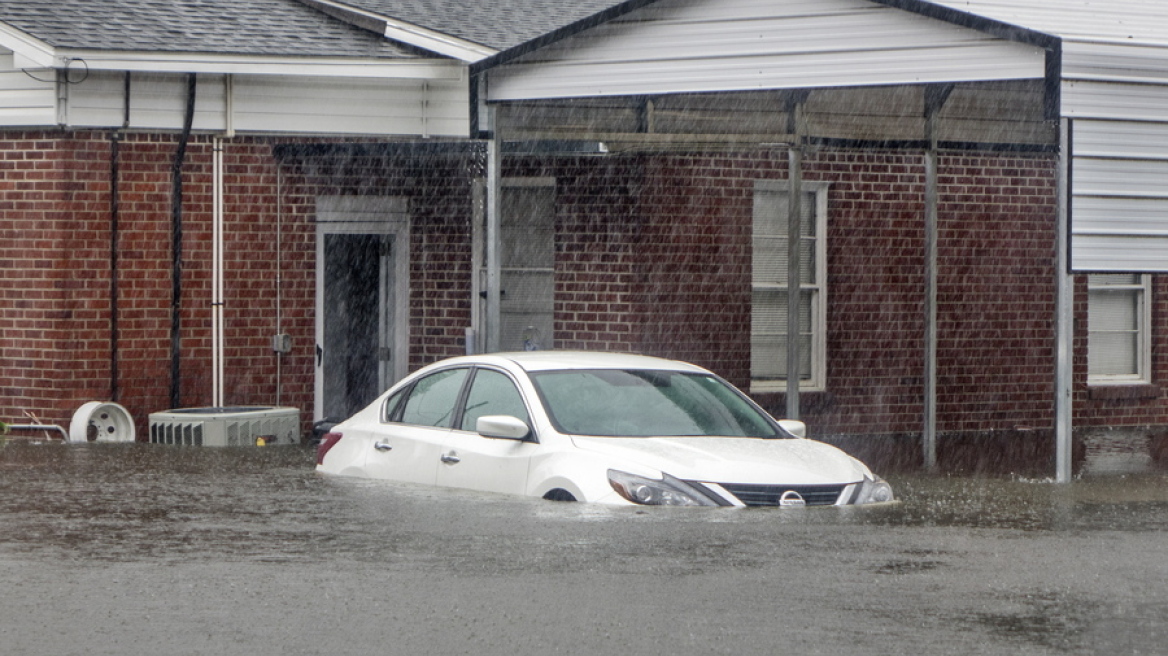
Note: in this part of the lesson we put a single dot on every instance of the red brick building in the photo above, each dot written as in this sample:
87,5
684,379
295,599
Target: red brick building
652,247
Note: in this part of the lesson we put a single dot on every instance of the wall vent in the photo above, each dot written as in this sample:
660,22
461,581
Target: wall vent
237,426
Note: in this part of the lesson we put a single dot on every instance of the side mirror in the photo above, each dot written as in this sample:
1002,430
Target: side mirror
503,427
794,427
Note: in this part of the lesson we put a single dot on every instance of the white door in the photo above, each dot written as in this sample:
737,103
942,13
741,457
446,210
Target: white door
361,301
474,462
527,258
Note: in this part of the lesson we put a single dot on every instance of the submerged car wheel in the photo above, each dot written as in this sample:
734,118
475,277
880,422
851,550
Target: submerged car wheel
559,494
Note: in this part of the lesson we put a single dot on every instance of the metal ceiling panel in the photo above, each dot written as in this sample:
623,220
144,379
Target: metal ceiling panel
1119,202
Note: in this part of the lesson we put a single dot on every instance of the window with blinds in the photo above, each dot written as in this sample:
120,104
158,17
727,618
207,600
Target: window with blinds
1118,328
770,287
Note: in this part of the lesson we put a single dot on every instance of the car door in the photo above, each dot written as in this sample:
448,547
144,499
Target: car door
417,429
475,462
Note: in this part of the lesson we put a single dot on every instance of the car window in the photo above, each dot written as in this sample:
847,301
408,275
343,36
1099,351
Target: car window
391,405
431,400
492,393
643,403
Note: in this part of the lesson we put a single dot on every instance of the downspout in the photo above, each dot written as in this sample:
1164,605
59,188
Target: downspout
279,279
217,342
115,238
113,292
176,247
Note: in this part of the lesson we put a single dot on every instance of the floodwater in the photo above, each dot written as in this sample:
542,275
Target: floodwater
146,549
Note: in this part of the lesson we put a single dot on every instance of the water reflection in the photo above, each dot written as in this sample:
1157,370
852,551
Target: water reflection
116,501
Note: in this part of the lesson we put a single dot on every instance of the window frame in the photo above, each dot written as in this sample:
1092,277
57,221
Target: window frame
464,399
818,375
394,407
1143,289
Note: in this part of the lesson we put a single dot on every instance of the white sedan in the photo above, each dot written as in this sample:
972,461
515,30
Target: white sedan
596,427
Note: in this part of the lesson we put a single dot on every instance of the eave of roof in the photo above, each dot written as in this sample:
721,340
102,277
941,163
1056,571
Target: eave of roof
563,32
405,32
496,24
975,21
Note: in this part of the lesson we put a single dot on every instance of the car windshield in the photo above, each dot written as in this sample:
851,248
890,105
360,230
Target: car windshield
648,403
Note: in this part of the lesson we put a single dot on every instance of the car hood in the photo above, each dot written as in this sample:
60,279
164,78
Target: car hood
750,461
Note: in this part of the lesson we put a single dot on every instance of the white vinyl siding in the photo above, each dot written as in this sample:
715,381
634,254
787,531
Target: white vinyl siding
1119,201
1118,327
680,46
26,100
256,104
770,287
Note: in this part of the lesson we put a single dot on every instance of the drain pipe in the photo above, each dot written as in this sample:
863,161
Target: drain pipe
279,282
115,207
115,238
176,248
217,338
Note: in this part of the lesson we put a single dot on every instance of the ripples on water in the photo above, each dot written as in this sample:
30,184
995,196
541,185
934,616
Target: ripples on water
117,501
243,551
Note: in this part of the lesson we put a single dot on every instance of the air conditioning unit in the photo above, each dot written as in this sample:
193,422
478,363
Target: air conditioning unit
238,426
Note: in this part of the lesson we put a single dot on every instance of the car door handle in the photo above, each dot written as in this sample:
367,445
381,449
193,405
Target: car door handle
450,459
383,446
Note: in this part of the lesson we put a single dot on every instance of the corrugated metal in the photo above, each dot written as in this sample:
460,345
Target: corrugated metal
1128,102
1115,86
1115,63
1130,21
1118,253
277,104
1119,198
678,46
1121,139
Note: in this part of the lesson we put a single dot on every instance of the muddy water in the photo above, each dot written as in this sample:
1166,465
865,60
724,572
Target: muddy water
144,549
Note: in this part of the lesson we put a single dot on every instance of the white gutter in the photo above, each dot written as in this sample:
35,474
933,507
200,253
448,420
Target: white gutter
408,33
95,60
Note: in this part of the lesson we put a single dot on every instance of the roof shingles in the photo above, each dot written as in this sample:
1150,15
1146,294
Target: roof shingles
498,24
245,27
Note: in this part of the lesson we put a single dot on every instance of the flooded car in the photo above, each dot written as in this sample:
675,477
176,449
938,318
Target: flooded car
595,427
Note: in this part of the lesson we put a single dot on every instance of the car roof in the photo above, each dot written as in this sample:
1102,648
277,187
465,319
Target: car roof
551,360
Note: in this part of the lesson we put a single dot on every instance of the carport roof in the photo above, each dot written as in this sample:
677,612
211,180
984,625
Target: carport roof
521,25
1134,22
499,27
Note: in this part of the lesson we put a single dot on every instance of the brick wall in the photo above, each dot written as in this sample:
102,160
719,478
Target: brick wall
652,256
54,245
680,251
1108,406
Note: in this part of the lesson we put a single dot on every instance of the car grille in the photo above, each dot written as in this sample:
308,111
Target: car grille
769,495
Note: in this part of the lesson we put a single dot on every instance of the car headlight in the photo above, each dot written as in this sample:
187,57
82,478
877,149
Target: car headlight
666,491
874,490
